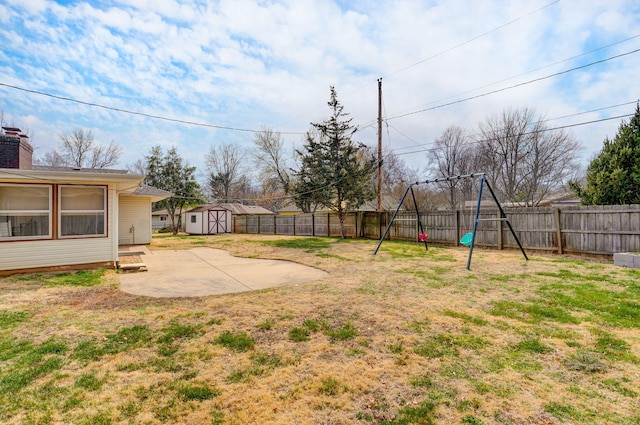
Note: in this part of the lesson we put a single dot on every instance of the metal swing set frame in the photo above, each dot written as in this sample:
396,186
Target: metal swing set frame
483,182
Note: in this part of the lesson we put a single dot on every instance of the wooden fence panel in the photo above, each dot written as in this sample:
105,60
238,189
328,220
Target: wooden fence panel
284,225
266,224
373,224
601,230
304,225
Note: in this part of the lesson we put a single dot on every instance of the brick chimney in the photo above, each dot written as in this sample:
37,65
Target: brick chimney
15,150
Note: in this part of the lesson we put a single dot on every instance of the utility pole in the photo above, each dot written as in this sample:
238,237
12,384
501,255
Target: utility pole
379,144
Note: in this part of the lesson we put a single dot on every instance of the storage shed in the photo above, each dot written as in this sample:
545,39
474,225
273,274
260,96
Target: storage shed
207,220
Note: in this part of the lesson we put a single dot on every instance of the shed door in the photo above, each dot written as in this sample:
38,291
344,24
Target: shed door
217,221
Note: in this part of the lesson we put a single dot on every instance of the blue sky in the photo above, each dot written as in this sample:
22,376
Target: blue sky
253,64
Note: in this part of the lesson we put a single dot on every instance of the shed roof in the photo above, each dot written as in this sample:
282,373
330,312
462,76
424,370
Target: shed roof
240,209
235,208
207,207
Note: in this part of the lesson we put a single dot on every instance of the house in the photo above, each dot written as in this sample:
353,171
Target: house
161,219
58,217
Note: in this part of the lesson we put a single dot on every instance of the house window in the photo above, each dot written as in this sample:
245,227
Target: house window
82,211
25,212
194,218
163,218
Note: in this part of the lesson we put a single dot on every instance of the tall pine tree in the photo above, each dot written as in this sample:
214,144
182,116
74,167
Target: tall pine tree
335,171
613,176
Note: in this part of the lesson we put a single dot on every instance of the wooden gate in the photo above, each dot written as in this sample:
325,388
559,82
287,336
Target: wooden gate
217,222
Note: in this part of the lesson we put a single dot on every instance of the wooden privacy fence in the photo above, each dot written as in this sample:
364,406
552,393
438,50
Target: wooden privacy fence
595,230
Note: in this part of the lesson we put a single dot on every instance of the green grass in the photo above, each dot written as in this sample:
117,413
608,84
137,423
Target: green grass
437,346
298,334
532,311
330,386
619,387
614,348
423,414
83,278
307,244
466,317
343,333
89,382
178,331
32,362
128,338
267,324
197,391
236,341
9,319
532,346
564,411
609,307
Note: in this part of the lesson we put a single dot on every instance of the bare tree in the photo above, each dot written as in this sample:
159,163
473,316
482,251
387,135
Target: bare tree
524,159
224,171
53,159
270,161
452,155
79,149
138,167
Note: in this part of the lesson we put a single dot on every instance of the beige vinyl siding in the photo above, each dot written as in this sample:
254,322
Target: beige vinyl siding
62,252
134,220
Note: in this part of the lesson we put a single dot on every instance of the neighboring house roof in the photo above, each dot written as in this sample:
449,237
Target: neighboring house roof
160,212
388,204
237,209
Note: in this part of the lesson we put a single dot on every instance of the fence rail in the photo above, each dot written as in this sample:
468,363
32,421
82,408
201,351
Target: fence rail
594,230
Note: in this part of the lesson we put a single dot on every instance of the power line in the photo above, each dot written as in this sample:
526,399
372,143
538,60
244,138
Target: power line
127,111
532,71
515,85
541,121
562,127
472,39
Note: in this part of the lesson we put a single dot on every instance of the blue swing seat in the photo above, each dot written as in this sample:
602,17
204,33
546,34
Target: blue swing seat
467,239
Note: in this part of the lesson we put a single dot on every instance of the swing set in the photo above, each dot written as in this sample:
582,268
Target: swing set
468,239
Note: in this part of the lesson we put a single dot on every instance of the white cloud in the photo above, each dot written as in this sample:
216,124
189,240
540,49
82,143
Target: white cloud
245,64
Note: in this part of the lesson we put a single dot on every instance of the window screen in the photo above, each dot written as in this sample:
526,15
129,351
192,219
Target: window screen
82,211
25,211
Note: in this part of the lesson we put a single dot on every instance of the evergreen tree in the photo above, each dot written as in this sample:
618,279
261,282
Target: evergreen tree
613,176
170,173
335,171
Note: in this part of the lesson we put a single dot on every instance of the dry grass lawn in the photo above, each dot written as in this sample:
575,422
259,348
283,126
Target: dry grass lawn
404,337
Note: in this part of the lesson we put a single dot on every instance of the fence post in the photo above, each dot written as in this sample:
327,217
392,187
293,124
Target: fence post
328,225
456,231
275,225
558,230
294,224
313,224
500,241
259,230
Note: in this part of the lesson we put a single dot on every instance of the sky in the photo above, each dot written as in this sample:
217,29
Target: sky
196,74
